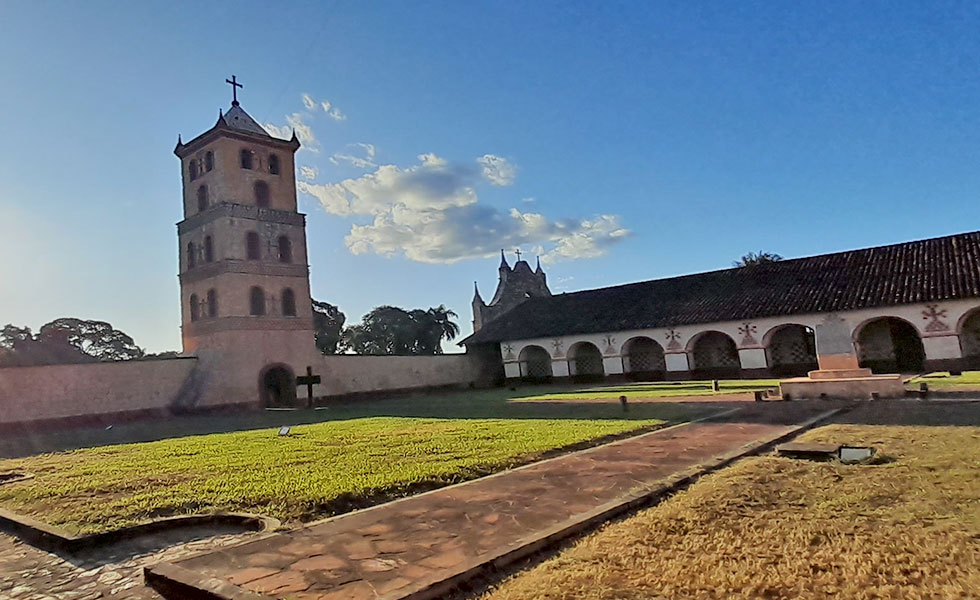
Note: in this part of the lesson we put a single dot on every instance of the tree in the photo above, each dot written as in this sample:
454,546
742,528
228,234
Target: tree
65,341
328,323
393,330
757,258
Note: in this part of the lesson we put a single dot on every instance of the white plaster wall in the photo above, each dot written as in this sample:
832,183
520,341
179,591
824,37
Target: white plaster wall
349,373
63,391
938,334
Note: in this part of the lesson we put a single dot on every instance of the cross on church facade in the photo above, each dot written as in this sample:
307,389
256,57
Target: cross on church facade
518,253
309,380
234,89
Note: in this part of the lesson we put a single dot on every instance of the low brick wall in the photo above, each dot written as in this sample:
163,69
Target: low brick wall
65,392
347,374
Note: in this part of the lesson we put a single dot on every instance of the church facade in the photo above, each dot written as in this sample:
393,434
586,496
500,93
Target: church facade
909,307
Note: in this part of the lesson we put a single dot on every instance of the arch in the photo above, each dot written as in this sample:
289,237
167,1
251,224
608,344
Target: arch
535,364
246,158
791,350
253,246
889,345
274,164
208,249
191,258
285,249
193,169
202,198
643,359
714,355
288,303
256,301
585,362
261,189
195,307
969,334
208,160
277,386
212,300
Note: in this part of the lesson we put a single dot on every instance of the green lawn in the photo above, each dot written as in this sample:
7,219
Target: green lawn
357,454
659,389
943,381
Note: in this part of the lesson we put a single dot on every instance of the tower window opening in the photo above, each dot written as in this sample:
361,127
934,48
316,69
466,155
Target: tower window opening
285,250
193,169
208,160
256,302
212,304
252,246
288,303
195,308
248,159
191,259
202,198
208,249
273,164
262,194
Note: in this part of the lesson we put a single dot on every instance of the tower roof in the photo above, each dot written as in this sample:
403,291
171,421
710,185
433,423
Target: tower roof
237,118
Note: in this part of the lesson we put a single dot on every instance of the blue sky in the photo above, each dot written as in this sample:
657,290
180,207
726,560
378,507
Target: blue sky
634,140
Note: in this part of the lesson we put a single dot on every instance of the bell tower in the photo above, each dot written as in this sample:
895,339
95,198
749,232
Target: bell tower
244,274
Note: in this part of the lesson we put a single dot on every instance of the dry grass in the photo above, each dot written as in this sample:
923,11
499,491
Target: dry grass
771,527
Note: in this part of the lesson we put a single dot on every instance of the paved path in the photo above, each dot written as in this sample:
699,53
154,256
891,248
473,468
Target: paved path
412,547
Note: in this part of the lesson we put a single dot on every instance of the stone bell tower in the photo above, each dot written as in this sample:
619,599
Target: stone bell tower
244,275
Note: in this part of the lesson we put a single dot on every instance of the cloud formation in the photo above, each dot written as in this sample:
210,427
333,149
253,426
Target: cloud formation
297,122
430,212
308,173
361,162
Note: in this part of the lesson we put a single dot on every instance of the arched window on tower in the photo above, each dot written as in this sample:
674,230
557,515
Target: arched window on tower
212,304
262,194
193,169
252,246
247,158
256,302
208,160
191,258
273,164
285,249
208,249
288,303
202,198
195,308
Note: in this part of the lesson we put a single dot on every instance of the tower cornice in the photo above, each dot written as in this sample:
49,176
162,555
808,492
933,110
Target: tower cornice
223,130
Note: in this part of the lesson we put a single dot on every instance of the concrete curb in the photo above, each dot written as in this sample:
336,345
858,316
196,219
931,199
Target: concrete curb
189,585
54,539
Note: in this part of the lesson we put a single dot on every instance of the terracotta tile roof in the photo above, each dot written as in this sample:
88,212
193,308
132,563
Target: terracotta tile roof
929,270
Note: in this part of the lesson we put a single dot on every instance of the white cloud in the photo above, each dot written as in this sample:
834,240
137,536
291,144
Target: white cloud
309,102
497,170
336,115
430,213
529,200
304,132
361,162
309,173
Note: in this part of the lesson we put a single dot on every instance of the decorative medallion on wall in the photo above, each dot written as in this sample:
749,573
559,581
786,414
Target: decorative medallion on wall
672,337
508,352
558,345
932,312
610,340
747,330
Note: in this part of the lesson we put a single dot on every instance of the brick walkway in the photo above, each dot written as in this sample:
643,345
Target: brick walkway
413,546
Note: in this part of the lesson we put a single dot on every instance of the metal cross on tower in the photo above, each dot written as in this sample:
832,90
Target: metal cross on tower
518,253
234,89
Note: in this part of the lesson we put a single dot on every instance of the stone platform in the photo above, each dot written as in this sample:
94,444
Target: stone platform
849,388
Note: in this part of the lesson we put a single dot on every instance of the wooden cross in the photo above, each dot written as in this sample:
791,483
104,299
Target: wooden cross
234,89
308,380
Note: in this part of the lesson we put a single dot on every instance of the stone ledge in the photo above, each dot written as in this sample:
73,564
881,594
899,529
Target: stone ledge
54,539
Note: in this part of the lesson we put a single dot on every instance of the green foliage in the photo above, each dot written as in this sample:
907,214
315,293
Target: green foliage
65,340
393,330
757,258
328,322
